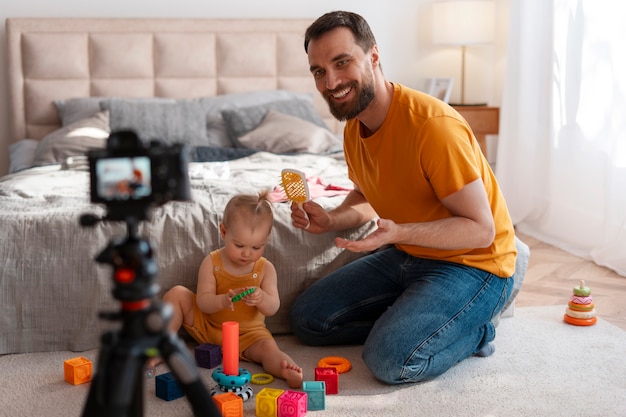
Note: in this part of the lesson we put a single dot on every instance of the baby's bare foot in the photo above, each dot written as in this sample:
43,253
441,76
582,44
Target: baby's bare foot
292,374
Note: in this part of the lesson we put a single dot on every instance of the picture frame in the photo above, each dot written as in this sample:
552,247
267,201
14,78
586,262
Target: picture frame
440,88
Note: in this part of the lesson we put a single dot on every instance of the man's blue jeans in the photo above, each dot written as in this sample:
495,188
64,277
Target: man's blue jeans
416,317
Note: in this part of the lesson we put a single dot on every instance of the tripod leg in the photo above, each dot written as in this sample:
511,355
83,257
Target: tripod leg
181,363
117,388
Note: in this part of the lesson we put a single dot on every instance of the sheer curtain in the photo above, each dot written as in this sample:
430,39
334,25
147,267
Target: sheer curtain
562,150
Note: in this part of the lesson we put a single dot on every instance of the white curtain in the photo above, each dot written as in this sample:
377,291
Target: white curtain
562,146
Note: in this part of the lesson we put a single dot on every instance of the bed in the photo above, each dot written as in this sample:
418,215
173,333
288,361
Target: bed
238,93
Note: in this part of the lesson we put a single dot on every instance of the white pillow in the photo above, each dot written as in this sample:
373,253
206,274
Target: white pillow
74,139
282,133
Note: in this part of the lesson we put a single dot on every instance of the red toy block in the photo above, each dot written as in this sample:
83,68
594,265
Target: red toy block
77,370
292,404
229,404
330,377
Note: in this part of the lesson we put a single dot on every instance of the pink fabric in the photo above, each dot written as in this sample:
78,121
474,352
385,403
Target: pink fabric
317,188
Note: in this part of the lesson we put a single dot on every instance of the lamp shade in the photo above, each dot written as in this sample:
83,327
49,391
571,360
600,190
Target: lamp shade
463,22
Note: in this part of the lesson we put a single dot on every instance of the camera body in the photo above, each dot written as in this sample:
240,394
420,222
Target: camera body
129,177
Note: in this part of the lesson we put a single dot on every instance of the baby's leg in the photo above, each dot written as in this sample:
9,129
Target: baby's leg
182,301
275,361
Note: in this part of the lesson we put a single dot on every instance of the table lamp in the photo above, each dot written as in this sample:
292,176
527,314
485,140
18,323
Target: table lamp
462,23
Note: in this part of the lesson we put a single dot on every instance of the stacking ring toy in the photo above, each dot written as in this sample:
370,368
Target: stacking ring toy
261,379
231,380
341,364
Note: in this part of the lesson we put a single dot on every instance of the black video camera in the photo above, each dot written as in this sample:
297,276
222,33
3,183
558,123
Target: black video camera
130,178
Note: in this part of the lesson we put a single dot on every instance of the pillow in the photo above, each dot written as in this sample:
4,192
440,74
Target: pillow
175,121
217,133
282,133
74,109
241,120
22,154
74,139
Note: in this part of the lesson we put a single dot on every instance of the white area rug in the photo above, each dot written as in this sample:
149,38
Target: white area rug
541,367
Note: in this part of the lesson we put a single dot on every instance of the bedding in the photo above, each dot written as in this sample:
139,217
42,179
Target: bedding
237,92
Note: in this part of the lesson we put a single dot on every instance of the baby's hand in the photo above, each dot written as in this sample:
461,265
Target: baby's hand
227,301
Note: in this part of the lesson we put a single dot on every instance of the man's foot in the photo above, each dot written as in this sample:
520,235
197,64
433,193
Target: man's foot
291,373
486,350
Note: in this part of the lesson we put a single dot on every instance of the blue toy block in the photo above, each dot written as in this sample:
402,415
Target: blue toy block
316,392
208,355
167,388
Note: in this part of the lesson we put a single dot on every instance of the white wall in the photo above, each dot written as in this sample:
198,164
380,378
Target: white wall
402,29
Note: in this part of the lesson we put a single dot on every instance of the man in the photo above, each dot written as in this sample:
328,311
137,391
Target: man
444,250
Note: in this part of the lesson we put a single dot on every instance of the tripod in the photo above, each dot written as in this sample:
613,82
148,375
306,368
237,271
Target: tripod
117,388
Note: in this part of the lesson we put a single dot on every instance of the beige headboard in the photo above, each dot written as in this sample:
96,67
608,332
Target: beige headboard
58,58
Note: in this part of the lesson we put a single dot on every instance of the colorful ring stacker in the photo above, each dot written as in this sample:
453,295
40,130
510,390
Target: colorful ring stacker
261,379
341,364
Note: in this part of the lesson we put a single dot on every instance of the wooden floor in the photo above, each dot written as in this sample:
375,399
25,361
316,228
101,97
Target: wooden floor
552,273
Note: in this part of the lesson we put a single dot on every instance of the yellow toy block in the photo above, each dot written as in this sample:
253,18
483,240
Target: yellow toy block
229,404
77,370
267,402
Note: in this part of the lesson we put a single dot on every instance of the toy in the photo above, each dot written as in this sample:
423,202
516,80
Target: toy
77,370
239,296
262,379
296,188
316,392
167,388
292,404
341,364
208,355
330,376
580,309
229,404
230,377
267,402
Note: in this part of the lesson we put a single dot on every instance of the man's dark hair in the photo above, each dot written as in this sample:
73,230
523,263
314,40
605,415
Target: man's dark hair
358,26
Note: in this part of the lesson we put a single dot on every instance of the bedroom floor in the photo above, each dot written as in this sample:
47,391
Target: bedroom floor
552,273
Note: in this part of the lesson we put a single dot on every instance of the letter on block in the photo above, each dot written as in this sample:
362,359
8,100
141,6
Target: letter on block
267,402
77,370
229,404
167,388
208,355
316,392
330,377
292,404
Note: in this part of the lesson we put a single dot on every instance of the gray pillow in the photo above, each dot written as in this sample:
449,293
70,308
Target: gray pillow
241,120
22,154
74,139
77,108
217,133
179,121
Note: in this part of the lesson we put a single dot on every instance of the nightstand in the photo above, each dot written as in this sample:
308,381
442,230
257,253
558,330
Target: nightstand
484,120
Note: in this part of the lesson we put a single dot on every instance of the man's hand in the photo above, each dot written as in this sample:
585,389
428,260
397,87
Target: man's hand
386,233
319,219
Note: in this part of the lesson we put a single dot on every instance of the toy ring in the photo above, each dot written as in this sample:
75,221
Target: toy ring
231,380
341,364
261,379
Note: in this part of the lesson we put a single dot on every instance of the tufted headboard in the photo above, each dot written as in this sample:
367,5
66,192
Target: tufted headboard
60,58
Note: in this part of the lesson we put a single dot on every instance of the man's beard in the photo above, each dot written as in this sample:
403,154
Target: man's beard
350,110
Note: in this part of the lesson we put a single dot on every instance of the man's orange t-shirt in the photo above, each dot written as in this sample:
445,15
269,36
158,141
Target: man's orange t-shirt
423,152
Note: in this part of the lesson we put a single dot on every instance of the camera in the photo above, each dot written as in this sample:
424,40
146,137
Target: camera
129,177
